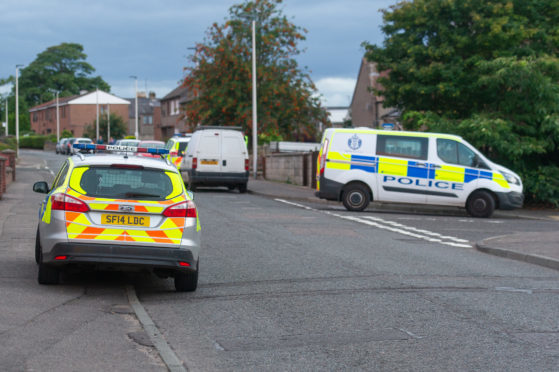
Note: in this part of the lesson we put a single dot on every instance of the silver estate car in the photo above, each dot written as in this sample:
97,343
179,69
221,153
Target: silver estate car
118,211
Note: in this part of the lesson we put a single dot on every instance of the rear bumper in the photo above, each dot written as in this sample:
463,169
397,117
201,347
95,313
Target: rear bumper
510,200
329,190
214,178
109,255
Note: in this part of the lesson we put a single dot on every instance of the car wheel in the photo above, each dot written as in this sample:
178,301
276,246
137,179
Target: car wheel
242,188
355,197
186,281
480,204
37,247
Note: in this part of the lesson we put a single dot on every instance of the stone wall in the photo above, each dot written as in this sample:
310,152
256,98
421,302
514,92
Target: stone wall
294,168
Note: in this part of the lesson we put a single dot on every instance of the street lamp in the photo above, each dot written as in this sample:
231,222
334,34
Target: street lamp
7,116
17,110
97,121
136,134
57,116
254,126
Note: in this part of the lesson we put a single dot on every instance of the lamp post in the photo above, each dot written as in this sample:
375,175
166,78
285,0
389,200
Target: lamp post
57,120
109,123
17,110
136,134
254,125
7,117
97,121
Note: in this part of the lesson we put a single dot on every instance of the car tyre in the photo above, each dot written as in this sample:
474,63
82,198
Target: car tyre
186,281
37,247
355,197
243,188
480,204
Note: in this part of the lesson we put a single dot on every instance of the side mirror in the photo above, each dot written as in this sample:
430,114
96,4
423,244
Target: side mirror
190,194
41,187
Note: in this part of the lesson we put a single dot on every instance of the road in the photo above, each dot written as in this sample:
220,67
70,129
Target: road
288,286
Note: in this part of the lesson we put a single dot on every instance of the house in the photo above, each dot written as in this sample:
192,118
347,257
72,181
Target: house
367,109
149,116
75,112
173,119
338,116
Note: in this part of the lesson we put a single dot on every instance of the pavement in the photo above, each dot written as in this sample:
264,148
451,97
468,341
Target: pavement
541,248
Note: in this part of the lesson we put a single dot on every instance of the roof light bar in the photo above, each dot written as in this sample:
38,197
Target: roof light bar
91,146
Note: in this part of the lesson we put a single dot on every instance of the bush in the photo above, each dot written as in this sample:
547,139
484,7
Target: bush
32,142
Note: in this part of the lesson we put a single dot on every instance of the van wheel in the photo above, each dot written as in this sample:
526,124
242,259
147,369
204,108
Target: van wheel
191,186
355,197
243,188
480,204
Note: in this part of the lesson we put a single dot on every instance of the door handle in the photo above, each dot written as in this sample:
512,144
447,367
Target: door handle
421,164
435,166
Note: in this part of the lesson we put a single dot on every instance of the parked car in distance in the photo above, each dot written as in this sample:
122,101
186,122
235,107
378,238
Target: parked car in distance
151,144
68,146
80,140
177,146
60,145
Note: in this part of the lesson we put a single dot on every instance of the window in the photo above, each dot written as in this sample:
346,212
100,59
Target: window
454,152
35,116
403,146
147,119
63,111
59,180
145,184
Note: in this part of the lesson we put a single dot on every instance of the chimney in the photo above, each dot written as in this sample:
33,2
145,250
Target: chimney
151,95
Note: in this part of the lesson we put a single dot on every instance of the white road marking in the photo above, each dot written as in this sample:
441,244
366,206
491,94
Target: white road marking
393,227
169,357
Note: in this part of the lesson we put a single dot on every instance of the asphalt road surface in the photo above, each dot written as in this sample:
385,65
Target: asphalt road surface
288,286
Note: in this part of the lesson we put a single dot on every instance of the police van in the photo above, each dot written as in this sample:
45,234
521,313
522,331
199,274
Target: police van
359,165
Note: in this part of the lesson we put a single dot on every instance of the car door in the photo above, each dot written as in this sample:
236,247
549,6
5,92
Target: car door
402,168
456,173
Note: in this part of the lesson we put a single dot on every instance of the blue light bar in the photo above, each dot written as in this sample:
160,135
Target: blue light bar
113,148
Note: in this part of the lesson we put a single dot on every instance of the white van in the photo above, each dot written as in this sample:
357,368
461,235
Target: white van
359,165
216,156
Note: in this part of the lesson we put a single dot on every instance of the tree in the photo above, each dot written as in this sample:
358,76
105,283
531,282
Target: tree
487,70
60,68
221,81
118,128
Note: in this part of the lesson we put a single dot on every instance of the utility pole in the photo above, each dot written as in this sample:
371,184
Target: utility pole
108,123
97,121
57,120
7,117
136,134
254,125
17,111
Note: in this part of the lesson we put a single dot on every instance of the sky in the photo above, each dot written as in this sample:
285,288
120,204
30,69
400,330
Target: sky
150,38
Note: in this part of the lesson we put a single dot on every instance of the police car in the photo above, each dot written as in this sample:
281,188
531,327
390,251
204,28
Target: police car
359,165
118,211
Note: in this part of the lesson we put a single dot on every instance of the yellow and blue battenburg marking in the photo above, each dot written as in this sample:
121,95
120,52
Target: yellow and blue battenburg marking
411,168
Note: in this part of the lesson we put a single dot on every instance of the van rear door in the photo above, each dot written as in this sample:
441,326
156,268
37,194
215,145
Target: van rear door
233,152
208,151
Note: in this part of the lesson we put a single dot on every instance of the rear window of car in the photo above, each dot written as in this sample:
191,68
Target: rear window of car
119,183
84,141
182,146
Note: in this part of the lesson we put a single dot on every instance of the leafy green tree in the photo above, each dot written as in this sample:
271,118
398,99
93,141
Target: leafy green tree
59,68
485,69
118,128
220,82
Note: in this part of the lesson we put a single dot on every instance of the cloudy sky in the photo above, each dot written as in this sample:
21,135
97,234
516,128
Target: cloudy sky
150,39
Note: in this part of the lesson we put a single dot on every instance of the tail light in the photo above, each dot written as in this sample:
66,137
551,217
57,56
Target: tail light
63,202
194,163
173,153
246,164
183,209
323,156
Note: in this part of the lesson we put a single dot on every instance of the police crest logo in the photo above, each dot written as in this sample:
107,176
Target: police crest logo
354,142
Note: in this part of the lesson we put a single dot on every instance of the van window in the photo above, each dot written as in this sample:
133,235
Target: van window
403,146
454,152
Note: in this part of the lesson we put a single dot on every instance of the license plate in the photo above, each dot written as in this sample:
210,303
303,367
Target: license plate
119,219
209,162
